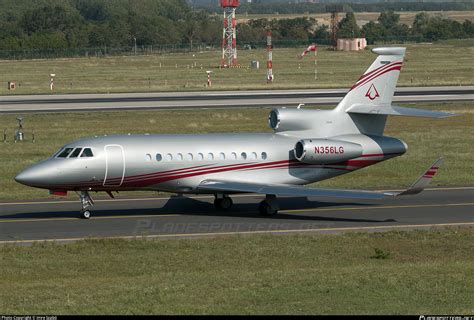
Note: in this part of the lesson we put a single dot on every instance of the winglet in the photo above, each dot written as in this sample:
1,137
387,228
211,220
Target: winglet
424,180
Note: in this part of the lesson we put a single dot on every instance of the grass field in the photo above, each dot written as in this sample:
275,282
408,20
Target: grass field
416,272
362,17
448,63
427,139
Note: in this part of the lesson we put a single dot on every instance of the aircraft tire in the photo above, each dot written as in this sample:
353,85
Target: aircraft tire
223,203
266,209
86,214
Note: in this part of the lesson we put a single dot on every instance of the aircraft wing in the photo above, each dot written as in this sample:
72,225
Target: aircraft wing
300,191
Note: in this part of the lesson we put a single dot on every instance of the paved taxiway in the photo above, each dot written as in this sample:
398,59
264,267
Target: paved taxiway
215,99
179,217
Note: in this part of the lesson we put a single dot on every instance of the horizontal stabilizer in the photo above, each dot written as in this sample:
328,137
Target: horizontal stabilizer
228,186
396,111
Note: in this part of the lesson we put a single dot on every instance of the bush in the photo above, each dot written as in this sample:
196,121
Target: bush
381,254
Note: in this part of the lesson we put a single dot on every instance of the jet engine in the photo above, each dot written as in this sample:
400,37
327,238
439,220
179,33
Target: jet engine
283,119
323,151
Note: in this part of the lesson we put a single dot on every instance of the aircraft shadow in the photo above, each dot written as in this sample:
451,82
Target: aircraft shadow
195,207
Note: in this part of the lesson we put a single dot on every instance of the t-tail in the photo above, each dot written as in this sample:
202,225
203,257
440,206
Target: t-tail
377,85
373,93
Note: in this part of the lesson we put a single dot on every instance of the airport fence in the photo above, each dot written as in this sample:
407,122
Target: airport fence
53,53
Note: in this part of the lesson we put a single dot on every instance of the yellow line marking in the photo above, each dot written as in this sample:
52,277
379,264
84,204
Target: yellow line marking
281,211
93,218
181,235
202,197
380,207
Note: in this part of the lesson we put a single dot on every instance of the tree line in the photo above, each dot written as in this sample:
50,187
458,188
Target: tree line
58,24
64,24
261,7
425,27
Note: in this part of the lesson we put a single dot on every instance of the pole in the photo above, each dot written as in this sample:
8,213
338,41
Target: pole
234,39
135,40
209,82
270,58
316,64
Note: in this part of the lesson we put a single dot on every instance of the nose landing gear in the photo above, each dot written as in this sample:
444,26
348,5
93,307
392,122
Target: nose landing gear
86,202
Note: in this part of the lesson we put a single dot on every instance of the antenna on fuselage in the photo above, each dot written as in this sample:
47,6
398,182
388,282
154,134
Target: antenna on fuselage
300,105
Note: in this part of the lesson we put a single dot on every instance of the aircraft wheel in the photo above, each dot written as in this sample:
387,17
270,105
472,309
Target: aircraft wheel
266,209
223,203
86,214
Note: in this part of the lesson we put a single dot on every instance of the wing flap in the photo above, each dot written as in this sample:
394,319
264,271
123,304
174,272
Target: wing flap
397,111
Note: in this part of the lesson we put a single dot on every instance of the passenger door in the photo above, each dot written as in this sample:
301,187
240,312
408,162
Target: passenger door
114,165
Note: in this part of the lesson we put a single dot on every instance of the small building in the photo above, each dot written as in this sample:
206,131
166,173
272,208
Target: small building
355,44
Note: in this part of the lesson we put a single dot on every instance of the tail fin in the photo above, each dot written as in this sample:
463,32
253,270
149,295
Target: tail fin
377,85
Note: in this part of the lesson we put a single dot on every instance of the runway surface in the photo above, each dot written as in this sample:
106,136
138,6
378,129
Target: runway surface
214,99
179,217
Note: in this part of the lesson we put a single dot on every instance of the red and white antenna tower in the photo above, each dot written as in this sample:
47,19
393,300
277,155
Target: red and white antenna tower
229,40
270,57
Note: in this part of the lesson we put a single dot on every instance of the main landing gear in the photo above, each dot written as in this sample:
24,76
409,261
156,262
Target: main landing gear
86,202
223,202
268,207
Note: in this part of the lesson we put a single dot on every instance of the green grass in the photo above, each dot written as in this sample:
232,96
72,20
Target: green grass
447,63
426,272
427,139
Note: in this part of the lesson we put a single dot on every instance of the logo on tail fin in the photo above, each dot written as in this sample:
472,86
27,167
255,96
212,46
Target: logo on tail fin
372,93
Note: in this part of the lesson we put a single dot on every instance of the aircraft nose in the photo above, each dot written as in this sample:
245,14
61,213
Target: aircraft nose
32,176
21,177
26,177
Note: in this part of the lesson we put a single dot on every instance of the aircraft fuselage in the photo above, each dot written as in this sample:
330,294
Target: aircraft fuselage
178,163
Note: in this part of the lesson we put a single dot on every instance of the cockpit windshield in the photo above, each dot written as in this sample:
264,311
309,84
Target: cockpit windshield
74,153
65,153
87,153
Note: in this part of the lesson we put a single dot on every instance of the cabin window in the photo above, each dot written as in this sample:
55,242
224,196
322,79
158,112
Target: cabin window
65,153
222,156
148,157
233,156
180,157
210,156
200,156
87,153
254,156
243,155
169,157
264,155
189,157
159,157
75,153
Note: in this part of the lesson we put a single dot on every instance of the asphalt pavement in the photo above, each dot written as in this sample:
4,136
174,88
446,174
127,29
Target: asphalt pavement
189,217
215,99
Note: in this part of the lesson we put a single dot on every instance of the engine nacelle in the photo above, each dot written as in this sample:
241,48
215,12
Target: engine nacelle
283,119
323,151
